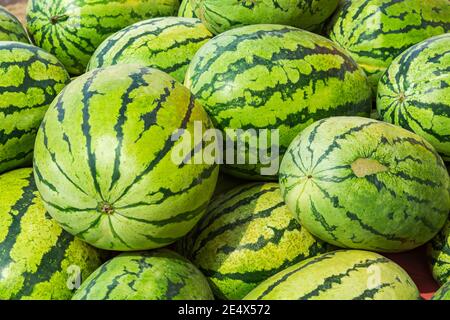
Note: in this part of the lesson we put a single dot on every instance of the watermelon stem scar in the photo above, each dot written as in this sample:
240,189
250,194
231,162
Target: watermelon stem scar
59,18
365,167
401,97
105,207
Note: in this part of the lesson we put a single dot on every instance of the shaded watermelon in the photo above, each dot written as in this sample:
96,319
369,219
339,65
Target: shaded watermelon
443,293
339,275
103,159
376,31
186,10
366,184
10,27
73,29
38,260
30,80
247,236
167,44
155,275
275,77
222,15
439,255
415,92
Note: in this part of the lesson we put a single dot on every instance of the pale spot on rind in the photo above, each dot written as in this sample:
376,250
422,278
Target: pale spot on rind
363,167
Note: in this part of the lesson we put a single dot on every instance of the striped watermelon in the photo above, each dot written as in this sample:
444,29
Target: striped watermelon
339,275
415,92
10,27
376,31
186,10
103,159
38,260
167,44
247,236
155,275
275,77
30,80
222,15
443,293
439,255
365,184
73,29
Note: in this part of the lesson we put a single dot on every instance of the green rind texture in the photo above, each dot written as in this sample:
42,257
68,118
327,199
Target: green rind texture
275,77
414,92
376,31
30,79
186,10
439,255
38,260
365,184
154,275
73,29
222,15
339,275
247,236
10,27
443,293
104,164
167,44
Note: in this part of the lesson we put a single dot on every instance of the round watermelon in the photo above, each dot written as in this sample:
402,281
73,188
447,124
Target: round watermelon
38,260
30,80
376,31
222,15
104,159
415,92
443,293
186,10
339,275
10,27
167,44
73,29
439,255
278,78
365,184
155,275
247,236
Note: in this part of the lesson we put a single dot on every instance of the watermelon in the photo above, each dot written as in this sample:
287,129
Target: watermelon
73,29
104,164
415,92
30,80
443,293
155,275
339,275
186,10
167,44
222,15
38,259
10,27
274,77
365,184
247,236
439,255
376,31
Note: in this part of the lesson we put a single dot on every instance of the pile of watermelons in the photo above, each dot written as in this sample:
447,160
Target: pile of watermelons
107,111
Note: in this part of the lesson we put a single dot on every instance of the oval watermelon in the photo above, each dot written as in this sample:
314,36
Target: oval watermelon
10,27
247,236
275,77
38,260
167,44
73,29
439,255
30,80
155,275
415,92
186,10
222,15
376,31
366,184
104,165
443,293
339,275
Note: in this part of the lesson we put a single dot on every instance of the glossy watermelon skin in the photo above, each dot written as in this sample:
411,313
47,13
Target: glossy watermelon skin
374,32
73,29
151,275
443,293
277,78
30,80
38,259
167,44
186,10
365,184
222,15
414,92
339,275
10,27
103,159
439,255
